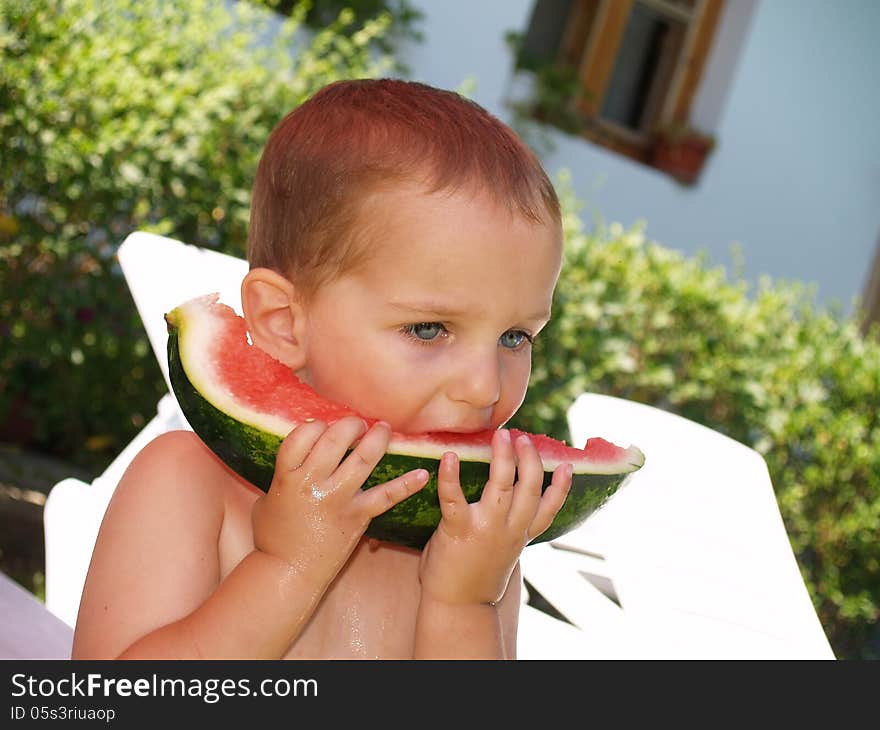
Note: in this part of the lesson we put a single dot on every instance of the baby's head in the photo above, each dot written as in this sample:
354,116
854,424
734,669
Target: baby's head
404,246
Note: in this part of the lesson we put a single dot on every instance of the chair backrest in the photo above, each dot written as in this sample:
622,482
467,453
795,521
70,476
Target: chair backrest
162,273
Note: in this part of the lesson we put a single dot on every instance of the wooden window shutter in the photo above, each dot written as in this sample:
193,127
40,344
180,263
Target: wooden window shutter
601,52
697,51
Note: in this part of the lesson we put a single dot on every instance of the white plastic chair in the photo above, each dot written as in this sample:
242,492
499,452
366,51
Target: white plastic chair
693,550
689,560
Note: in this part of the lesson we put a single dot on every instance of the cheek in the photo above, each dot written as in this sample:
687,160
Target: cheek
377,378
516,382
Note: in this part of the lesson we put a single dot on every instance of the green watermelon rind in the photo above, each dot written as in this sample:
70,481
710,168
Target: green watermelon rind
250,452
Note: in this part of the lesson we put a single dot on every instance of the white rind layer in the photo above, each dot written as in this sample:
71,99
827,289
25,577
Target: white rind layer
199,330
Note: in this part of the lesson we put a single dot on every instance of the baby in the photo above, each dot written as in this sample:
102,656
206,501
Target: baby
404,247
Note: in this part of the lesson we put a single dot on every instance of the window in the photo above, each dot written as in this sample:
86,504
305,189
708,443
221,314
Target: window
632,67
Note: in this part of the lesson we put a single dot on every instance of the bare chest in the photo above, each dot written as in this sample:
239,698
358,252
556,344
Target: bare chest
368,612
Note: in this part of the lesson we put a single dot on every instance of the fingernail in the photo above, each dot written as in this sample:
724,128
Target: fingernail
450,458
420,475
505,435
524,440
568,470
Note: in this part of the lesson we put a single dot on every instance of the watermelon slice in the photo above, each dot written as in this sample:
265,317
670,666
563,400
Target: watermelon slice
242,403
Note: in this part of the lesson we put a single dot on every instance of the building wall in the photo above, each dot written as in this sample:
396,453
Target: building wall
793,96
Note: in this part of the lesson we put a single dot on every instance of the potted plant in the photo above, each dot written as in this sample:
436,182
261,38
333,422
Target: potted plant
681,151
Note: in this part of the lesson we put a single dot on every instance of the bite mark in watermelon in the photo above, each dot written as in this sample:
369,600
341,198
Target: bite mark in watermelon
242,403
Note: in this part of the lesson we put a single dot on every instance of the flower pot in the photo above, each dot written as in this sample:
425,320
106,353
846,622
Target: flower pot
681,157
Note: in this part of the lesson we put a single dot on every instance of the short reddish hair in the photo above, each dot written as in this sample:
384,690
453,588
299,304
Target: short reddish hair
353,137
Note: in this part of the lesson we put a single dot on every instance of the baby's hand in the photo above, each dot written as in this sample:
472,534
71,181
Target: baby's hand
471,555
315,510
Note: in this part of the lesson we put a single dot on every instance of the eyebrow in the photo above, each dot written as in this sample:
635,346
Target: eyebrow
445,311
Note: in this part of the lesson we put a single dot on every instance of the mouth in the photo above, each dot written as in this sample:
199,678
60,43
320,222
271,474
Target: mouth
463,429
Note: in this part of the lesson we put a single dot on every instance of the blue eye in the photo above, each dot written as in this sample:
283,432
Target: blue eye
518,340
424,331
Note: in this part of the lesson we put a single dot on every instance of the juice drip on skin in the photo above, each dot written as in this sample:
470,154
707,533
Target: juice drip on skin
355,633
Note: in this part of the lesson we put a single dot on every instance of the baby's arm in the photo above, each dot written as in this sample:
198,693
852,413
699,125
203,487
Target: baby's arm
468,569
154,587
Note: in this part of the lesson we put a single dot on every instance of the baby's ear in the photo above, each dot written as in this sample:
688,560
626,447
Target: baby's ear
275,318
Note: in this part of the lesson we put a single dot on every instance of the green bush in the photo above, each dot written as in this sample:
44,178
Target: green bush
402,17
121,116
802,386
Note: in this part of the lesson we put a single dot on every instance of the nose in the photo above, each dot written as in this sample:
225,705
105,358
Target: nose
477,379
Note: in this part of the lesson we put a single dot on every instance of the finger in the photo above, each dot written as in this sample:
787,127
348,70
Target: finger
359,464
498,491
381,498
453,505
330,448
530,479
297,444
552,500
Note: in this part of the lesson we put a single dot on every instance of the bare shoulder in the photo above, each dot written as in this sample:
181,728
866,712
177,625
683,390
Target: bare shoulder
174,477
155,559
